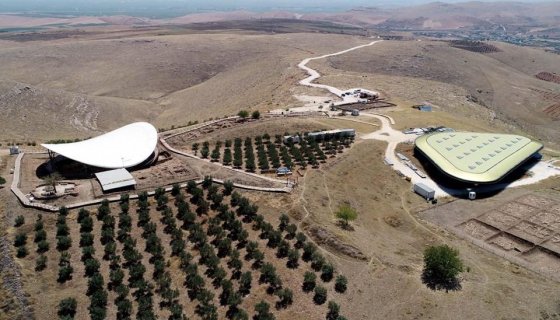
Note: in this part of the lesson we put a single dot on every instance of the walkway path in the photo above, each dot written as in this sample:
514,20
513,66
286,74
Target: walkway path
314,75
540,171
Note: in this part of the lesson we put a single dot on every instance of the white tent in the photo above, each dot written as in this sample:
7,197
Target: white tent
124,147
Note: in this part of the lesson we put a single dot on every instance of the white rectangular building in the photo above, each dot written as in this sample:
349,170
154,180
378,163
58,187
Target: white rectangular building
115,179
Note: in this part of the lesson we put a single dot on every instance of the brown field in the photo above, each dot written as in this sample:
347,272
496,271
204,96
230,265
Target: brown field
79,88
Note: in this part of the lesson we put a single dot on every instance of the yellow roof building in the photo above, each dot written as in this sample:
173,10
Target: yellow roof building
476,157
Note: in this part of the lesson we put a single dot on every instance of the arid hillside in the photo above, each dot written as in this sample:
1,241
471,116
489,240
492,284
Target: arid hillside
502,82
78,86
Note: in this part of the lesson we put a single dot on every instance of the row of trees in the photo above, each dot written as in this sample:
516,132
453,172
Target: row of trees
308,151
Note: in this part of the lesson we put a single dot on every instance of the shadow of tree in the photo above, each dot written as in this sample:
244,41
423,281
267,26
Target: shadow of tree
344,226
436,283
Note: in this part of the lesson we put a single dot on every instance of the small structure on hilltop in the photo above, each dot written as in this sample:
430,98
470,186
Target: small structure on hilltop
14,150
355,112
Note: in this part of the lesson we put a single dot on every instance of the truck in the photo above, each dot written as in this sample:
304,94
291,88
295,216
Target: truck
425,191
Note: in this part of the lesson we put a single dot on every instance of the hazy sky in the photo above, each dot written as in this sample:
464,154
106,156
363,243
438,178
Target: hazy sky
180,7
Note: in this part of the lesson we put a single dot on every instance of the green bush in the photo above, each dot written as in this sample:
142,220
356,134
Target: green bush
320,296
441,267
243,114
20,220
340,284
67,308
21,252
41,263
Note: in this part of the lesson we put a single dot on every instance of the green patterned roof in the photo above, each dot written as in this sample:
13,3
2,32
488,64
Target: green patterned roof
476,157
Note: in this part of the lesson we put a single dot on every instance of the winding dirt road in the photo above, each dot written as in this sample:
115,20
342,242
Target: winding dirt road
539,171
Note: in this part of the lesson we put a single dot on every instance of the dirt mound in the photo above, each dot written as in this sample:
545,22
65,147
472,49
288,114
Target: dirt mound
547,76
324,237
474,46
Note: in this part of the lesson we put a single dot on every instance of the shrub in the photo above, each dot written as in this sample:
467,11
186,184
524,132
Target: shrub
284,220
256,114
43,246
21,252
91,267
286,298
20,220
175,189
317,261
309,279
262,311
327,272
67,308
228,187
334,311
245,283
300,240
340,284
243,114
41,263
20,240
293,259
40,235
64,273
207,182
308,250
320,296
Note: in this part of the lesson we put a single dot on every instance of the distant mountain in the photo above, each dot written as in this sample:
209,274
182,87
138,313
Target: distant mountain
431,16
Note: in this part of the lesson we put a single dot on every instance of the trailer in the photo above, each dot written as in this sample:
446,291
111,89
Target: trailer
425,191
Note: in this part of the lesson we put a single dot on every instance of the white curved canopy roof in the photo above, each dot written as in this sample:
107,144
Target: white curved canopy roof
124,147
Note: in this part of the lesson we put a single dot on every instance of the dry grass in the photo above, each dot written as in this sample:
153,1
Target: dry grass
78,88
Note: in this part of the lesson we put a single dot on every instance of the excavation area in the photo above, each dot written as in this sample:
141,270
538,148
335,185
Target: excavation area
519,225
